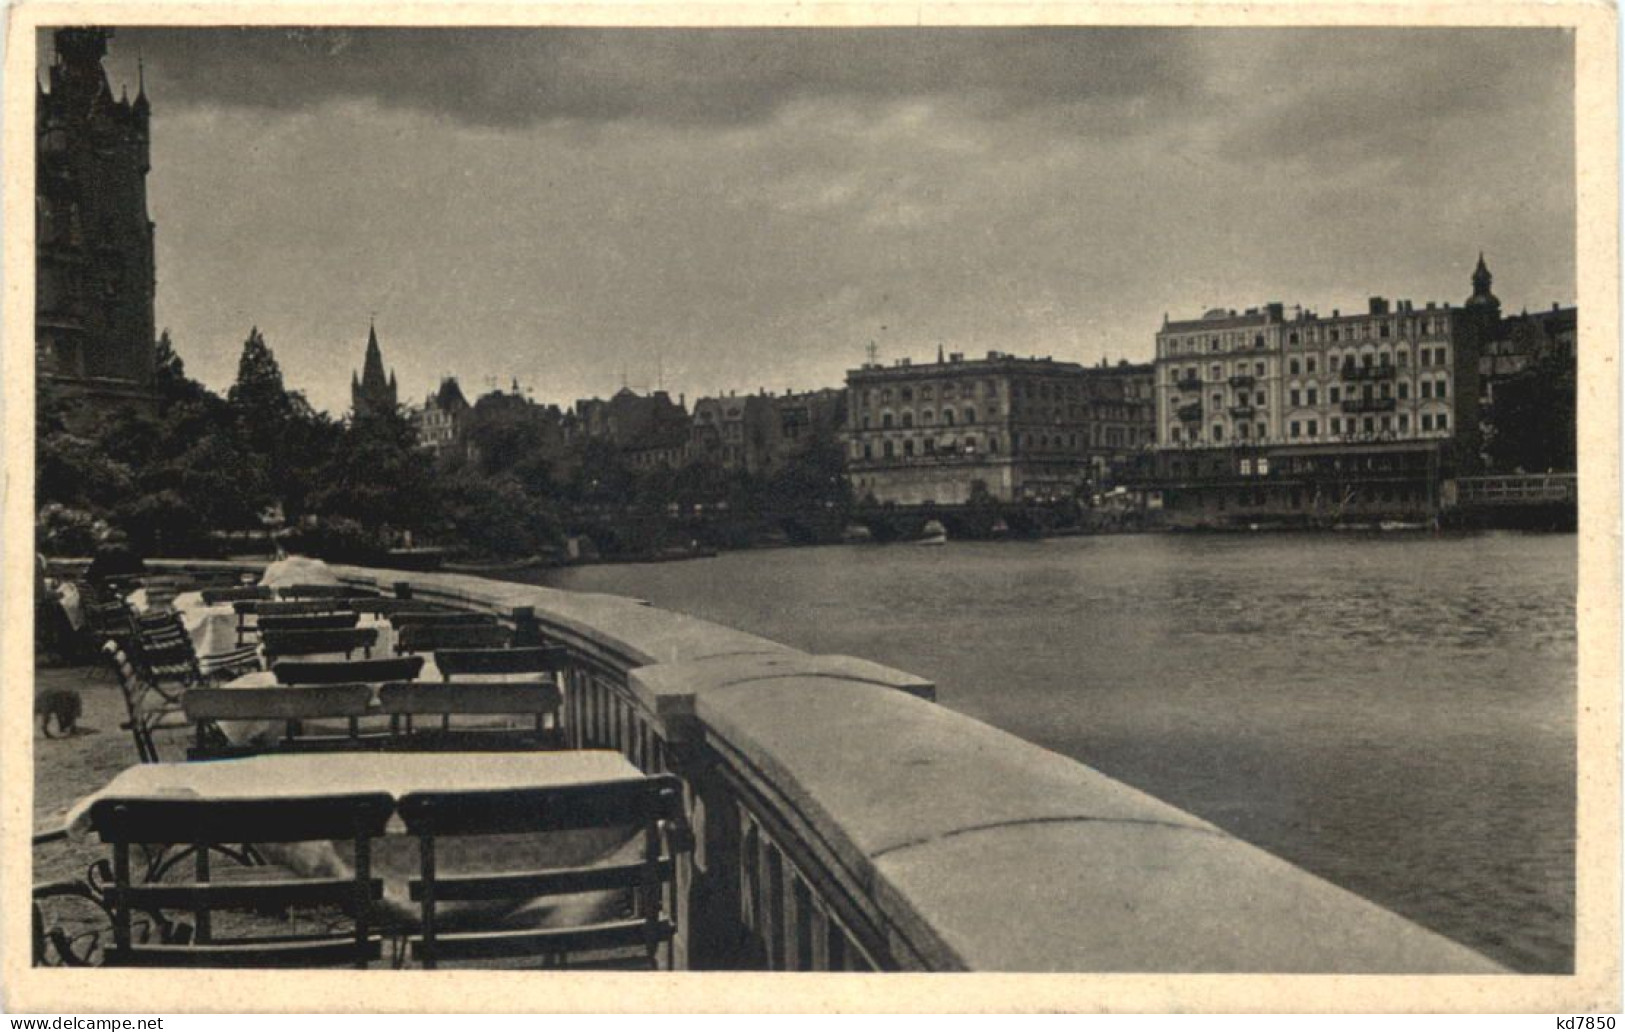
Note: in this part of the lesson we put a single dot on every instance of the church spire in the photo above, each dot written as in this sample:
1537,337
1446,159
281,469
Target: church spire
374,392
1482,297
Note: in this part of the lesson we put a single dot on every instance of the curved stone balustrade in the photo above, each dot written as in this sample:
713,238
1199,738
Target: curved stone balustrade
845,822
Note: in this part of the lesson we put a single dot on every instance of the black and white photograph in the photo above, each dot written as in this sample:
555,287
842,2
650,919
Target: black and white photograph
690,496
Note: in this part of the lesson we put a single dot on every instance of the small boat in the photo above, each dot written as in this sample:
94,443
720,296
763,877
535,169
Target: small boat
934,534
1401,525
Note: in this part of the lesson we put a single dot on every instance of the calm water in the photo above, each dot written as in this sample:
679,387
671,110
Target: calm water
1395,713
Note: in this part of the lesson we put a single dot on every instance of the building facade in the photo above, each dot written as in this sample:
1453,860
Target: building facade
1275,413
440,421
95,282
1000,427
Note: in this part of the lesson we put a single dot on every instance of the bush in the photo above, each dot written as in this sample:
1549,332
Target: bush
60,530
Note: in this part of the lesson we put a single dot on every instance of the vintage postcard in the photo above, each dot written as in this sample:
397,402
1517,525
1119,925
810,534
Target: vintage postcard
706,507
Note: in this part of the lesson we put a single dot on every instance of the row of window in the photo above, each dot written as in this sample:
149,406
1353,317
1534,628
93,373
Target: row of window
1427,356
1041,390
1297,429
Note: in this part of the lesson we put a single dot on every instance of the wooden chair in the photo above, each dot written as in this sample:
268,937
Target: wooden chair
369,671
109,620
316,622
543,660
220,596
390,606
651,806
434,637
347,640
301,591
259,608
164,653
146,708
207,824
444,618
297,708
538,702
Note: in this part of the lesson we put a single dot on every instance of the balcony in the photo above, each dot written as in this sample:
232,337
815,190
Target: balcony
1243,411
1243,380
1368,405
1191,413
1189,383
1379,372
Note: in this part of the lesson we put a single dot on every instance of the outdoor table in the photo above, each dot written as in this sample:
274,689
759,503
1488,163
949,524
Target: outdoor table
243,732
395,856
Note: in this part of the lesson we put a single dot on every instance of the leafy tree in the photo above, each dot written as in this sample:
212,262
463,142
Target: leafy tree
1532,420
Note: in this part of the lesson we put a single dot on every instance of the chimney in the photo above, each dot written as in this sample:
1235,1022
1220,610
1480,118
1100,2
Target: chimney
1336,313
1275,310
1379,305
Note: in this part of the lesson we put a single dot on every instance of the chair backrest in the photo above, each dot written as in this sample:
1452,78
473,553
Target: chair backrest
111,619
207,825
163,650
371,671
136,694
293,706
220,596
433,637
324,591
478,702
442,618
549,659
314,643
314,622
301,607
390,606
651,805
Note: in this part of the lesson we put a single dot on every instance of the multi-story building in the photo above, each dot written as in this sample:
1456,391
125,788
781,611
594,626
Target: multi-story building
758,433
1001,427
1277,413
442,416
650,430
1521,341
732,431
93,308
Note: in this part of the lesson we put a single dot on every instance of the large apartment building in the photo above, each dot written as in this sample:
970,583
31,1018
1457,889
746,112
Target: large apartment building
1277,412
1002,427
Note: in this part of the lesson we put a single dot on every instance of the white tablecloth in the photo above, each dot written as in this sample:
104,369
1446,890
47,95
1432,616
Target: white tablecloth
395,859
297,569
298,775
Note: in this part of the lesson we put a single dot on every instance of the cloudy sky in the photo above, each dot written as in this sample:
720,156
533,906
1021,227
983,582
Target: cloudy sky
751,208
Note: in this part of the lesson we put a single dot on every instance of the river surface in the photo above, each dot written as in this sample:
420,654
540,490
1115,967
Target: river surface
1393,712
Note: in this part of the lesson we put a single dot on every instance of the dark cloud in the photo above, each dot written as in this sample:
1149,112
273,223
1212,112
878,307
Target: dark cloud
1346,98
518,76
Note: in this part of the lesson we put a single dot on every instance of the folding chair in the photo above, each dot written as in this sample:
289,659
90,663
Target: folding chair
538,702
206,825
296,708
317,622
652,806
347,640
446,618
300,591
164,653
147,709
259,609
434,637
370,671
220,596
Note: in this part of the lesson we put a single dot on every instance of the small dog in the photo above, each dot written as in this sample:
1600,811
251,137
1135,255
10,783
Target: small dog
62,705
